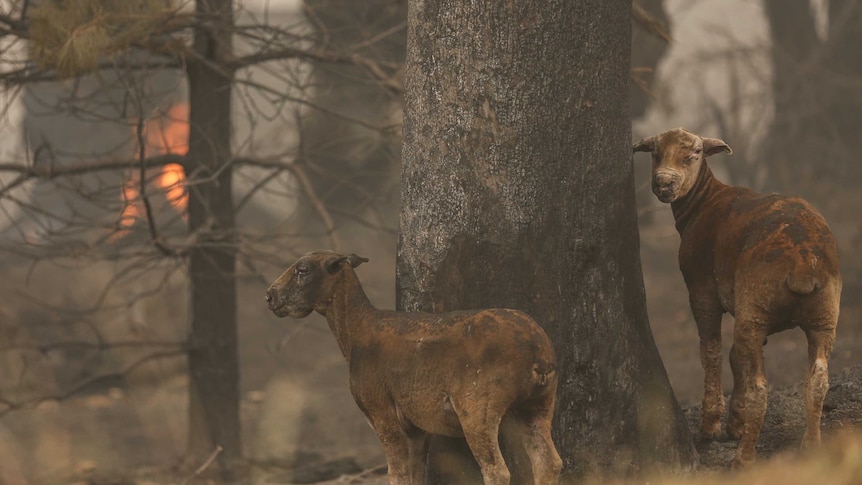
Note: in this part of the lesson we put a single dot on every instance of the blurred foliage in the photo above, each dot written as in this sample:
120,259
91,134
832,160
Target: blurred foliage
72,37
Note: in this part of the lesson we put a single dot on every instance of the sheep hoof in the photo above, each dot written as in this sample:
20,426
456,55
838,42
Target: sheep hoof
809,442
711,434
734,429
739,462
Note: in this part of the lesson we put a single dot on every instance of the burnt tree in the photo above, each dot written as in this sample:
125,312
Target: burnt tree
213,353
517,191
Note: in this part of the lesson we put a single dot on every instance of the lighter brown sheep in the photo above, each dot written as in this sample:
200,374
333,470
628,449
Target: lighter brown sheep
414,374
768,260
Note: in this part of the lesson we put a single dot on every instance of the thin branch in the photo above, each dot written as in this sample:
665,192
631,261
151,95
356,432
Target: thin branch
142,186
48,172
206,464
649,22
318,205
13,405
87,345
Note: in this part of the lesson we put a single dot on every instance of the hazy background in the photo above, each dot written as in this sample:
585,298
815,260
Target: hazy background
715,78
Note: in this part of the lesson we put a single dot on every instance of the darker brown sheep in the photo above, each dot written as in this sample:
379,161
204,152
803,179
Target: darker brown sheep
414,374
768,260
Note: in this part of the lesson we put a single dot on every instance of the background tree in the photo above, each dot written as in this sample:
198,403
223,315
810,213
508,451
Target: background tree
365,156
816,94
650,39
517,192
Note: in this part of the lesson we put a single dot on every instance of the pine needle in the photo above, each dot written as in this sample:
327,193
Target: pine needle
72,37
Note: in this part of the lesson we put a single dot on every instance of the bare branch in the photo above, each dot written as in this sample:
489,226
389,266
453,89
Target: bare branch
48,172
318,205
649,22
81,386
206,464
84,344
319,55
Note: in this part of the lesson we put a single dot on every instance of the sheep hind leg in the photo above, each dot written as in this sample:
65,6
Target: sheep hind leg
481,428
544,459
817,384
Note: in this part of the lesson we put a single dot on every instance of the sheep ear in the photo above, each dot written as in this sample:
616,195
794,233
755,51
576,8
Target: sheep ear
333,264
645,145
356,260
711,146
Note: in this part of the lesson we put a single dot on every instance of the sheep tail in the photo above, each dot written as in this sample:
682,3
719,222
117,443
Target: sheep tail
543,373
803,280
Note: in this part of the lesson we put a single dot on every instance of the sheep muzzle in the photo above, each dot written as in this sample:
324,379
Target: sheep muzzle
665,186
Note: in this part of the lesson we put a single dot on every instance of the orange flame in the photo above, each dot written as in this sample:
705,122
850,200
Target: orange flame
167,133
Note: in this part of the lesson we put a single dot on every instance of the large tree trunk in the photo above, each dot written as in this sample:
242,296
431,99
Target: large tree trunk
213,354
517,191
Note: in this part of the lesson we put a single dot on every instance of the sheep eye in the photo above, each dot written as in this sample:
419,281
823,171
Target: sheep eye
301,271
693,154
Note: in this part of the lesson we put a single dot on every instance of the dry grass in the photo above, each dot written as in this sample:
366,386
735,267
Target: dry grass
837,462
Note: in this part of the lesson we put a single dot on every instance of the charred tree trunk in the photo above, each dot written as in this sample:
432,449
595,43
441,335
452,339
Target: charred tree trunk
517,192
213,355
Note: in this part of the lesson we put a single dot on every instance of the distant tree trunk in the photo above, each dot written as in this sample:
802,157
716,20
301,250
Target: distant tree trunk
816,95
844,63
213,356
647,50
797,110
354,166
517,192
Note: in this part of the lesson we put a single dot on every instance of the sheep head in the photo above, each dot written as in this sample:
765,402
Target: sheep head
677,156
307,285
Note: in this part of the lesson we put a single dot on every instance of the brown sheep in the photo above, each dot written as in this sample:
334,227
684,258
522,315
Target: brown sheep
413,374
768,260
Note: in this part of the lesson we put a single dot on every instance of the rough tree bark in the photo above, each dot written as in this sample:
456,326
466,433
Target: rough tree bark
213,354
517,191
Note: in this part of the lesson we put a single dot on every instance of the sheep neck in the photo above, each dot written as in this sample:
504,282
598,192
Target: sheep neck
686,208
347,311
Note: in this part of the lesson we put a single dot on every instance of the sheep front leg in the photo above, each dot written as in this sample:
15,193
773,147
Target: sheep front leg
400,449
396,447
709,331
417,445
737,399
748,340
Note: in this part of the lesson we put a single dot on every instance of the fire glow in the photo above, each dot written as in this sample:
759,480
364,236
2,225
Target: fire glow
165,134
